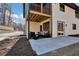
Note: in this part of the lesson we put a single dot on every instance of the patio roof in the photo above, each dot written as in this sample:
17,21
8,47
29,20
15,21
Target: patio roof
37,16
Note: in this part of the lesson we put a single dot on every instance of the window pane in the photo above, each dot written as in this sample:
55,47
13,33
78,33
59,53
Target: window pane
77,14
60,26
74,26
62,7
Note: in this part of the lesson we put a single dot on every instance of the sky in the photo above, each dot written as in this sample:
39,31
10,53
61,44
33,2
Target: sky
77,4
17,9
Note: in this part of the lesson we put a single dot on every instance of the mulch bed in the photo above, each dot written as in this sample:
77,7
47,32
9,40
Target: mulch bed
21,48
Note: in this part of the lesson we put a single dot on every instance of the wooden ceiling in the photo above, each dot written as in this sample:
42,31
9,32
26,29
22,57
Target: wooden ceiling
38,17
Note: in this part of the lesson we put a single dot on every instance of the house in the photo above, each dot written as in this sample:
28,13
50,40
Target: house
58,19
5,13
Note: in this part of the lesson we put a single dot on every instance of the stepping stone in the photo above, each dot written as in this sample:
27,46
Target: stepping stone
21,48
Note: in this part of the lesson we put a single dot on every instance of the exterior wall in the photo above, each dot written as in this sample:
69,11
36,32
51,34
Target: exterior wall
34,27
1,14
7,12
7,17
68,17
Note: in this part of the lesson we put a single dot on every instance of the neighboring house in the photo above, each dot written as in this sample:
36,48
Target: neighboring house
5,12
5,18
13,25
59,19
19,27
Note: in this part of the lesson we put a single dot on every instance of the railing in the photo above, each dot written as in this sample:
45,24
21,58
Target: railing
35,7
38,8
47,10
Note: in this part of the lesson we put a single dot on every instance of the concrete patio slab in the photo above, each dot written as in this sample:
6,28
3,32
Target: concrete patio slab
42,46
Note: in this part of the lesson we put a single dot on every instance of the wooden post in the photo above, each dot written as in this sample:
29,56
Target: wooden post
26,15
28,22
23,10
41,7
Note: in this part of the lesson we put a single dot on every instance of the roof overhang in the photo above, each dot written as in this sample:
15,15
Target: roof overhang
72,5
37,16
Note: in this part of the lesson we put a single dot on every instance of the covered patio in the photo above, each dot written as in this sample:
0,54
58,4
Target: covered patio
46,45
39,20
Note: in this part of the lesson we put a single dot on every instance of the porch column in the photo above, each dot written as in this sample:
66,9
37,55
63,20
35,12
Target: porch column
41,7
27,29
26,13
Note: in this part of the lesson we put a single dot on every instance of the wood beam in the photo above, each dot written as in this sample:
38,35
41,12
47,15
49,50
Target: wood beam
43,14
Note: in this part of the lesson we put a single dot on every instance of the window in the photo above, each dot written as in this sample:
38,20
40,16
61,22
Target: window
7,13
74,26
46,26
60,28
62,7
77,14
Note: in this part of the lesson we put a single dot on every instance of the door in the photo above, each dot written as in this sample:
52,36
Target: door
40,28
60,28
46,26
